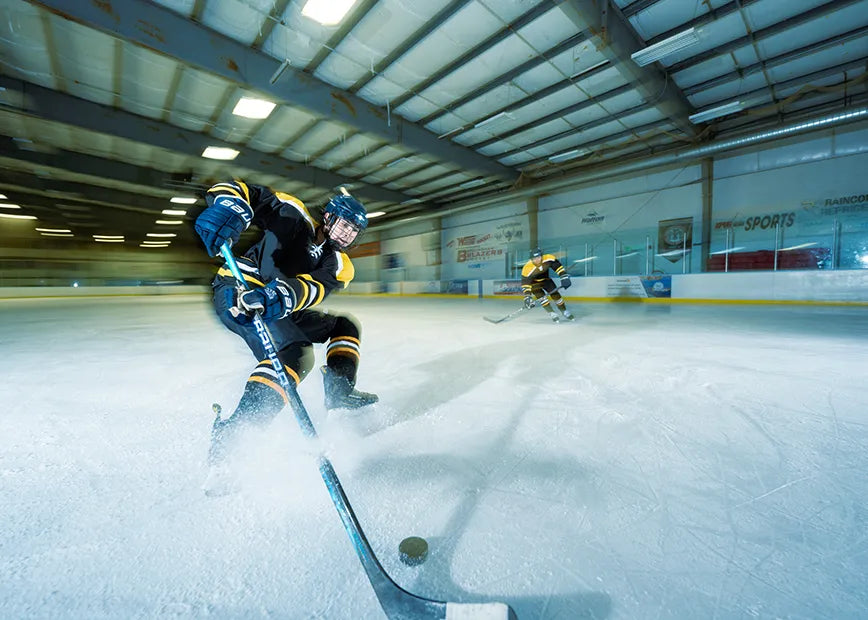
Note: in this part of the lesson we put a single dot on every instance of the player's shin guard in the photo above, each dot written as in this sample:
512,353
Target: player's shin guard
263,398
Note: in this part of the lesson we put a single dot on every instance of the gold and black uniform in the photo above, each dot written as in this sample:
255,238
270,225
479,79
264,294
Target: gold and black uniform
535,278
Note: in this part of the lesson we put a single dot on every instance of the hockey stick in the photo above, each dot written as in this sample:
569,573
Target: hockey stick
397,603
519,311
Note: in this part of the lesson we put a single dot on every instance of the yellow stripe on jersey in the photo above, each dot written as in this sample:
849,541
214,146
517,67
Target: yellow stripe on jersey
243,186
223,271
346,271
316,285
299,205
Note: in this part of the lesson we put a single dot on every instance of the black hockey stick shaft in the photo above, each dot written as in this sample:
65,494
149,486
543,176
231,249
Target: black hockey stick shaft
397,603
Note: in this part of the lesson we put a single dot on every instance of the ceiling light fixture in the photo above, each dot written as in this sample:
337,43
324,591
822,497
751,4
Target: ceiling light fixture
173,212
220,152
327,12
53,230
3,197
11,216
45,234
161,235
568,155
108,236
170,222
182,200
248,107
582,72
675,43
489,120
717,112
376,214
109,240
9,206
450,132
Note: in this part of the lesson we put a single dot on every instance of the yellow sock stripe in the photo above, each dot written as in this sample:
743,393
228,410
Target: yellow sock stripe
347,338
274,386
342,351
300,303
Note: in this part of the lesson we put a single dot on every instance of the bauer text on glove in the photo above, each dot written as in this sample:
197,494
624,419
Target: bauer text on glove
222,222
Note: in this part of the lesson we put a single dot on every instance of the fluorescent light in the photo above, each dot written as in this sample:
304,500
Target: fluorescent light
589,69
3,197
327,12
173,212
147,242
182,200
567,155
376,214
17,217
279,71
721,110
161,235
675,43
9,206
108,237
248,107
450,132
57,234
53,230
170,222
472,183
109,240
799,247
219,152
490,119
729,251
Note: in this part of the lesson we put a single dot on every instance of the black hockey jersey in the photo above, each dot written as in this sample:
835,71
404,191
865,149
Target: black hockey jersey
532,274
287,248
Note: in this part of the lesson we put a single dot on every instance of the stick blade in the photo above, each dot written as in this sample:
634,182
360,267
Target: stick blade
483,611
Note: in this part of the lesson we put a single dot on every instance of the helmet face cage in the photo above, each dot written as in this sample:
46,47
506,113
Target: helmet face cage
344,219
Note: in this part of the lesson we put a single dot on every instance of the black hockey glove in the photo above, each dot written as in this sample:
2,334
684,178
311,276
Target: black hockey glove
273,301
565,282
223,221
528,301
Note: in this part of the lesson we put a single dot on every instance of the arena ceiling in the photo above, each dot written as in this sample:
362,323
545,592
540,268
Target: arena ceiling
107,106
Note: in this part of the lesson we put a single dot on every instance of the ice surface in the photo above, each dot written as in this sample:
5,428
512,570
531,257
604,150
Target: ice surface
640,462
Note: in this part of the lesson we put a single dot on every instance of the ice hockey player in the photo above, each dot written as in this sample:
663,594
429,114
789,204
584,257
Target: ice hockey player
292,268
535,283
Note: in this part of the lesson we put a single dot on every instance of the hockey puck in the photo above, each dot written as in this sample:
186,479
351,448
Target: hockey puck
413,550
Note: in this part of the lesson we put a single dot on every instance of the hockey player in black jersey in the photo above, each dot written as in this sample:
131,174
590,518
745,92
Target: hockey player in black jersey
291,269
535,282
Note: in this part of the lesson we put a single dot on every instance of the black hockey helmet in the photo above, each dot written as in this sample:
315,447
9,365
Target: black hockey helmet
344,219
535,253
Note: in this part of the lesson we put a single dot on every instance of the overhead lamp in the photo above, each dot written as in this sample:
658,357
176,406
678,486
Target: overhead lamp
161,235
108,237
153,245
675,43
9,206
721,110
220,152
489,120
170,222
327,12
173,212
12,216
2,196
472,183
249,107
182,200
582,72
45,234
568,155
53,230
121,240
376,214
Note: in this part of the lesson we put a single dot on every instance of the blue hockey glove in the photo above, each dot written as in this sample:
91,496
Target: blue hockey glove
528,301
273,301
565,281
222,222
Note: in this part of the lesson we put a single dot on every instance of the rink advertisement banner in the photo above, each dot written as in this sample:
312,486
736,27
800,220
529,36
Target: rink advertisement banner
481,250
640,286
507,287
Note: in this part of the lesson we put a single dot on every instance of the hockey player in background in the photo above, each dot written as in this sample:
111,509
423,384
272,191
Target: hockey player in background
290,270
535,283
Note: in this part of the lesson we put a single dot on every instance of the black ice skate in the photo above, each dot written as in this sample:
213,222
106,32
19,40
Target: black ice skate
340,392
569,315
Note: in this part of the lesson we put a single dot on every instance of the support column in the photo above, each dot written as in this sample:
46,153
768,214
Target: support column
707,207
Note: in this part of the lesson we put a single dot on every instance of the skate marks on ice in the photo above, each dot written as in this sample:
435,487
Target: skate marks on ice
461,487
